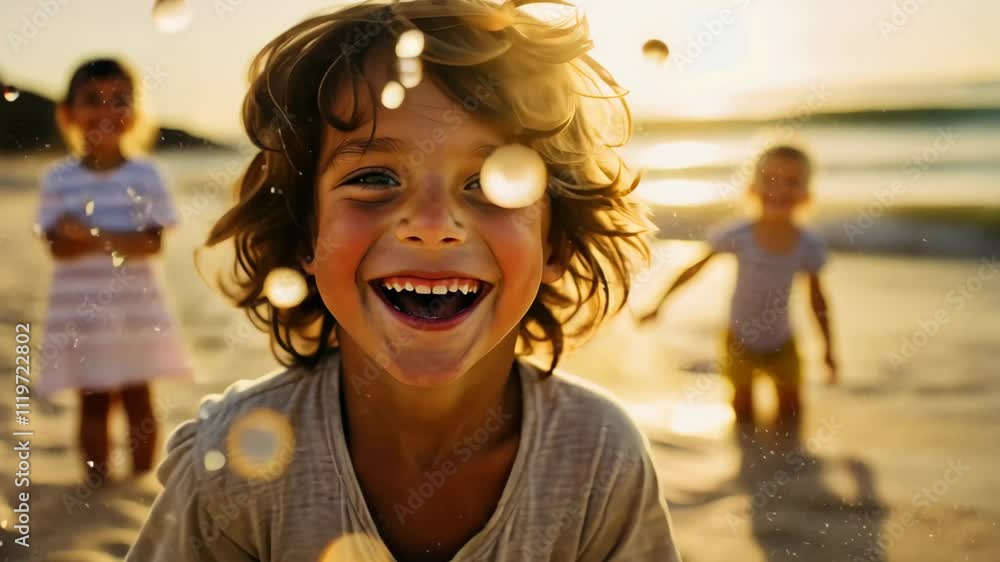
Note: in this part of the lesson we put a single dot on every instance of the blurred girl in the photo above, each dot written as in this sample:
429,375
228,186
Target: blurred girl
108,331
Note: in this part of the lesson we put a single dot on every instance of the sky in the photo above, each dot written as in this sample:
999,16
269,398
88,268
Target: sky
728,57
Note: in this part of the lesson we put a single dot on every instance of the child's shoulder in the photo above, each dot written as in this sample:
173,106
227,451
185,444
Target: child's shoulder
143,168
729,235
576,410
811,236
63,169
264,407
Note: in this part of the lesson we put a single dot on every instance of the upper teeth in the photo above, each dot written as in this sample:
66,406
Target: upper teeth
442,287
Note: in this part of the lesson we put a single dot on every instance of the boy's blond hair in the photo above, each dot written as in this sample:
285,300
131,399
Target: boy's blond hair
544,91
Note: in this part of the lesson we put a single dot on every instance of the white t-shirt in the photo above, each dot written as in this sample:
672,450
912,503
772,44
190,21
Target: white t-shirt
759,313
129,198
582,488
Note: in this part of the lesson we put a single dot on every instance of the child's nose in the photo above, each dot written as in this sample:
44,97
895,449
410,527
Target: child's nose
430,220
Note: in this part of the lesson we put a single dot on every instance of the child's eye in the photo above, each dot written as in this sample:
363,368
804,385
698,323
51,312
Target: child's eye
373,180
473,185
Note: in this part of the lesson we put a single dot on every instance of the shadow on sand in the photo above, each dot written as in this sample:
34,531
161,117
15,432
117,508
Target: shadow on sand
805,507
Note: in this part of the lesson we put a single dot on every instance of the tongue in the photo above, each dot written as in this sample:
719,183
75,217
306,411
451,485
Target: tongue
430,306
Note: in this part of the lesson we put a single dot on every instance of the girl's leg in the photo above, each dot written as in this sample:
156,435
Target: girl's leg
94,410
142,425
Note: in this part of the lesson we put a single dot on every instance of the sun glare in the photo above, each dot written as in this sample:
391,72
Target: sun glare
682,193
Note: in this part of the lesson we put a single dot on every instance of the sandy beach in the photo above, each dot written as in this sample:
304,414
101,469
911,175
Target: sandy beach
897,463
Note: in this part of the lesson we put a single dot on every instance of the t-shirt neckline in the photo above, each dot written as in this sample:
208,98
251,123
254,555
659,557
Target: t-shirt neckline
345,468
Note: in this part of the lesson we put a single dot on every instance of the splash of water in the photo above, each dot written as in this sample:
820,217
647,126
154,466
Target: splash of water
284,287
10,93
655,51
172,16
514,176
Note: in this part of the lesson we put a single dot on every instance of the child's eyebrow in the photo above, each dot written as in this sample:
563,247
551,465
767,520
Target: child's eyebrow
381,144
361,146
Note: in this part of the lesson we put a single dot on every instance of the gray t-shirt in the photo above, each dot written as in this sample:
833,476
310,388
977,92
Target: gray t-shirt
759,312
582,488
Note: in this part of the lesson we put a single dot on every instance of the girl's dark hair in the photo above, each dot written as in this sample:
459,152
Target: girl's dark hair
545,92
142,134
97,69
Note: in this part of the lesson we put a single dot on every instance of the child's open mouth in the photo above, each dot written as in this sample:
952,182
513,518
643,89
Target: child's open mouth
431,303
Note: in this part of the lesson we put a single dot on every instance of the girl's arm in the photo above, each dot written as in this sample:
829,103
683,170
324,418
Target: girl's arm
819,307
69,238
679,282
134,244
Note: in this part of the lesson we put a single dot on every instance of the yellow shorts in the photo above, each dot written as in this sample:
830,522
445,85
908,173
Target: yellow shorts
741,362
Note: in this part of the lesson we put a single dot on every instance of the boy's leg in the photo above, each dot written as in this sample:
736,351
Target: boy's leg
142,425
785,370
739,369
95,408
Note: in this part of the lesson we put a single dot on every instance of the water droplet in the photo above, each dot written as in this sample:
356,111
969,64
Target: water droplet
172,16
130,192
411,71
10,93
260,445
95,231
214,460
88,207
156,328
90,464
117,259
284,287
3,524
655,51
514,176
393,94
410,44
37,228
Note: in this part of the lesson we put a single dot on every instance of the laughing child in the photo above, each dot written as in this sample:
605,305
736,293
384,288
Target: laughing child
407,425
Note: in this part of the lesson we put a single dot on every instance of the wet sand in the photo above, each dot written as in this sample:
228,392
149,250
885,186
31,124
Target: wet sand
896,463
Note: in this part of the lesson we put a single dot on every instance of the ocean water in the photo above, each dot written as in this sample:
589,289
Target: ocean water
923,183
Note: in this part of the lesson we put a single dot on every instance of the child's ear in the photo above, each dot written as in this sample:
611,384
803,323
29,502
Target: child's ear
64,115
558,252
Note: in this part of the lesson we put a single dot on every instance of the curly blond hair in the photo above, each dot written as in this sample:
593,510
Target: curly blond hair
549,94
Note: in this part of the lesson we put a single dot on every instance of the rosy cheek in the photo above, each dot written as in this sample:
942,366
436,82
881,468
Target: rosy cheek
346,232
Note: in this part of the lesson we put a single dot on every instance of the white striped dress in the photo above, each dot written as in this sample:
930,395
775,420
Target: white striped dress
108,323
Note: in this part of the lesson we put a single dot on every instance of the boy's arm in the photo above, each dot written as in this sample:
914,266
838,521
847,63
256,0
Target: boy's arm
683,278
819,307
